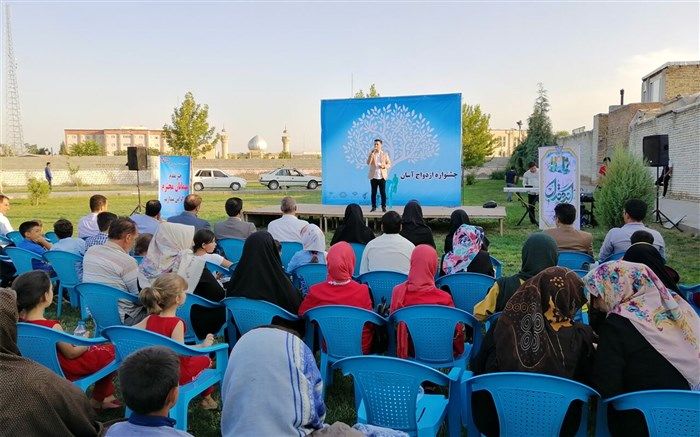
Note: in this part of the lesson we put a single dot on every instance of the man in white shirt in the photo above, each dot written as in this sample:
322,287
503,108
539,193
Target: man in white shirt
5,225
87,226
390,251
531,178
618,239
148,223
288,227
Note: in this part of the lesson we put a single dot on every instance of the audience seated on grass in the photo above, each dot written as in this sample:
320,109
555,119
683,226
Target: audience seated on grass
34,241
170,251
148,381
142,243
467,254
148,223
34,295
354,229
192,204
565,234
288,227
536,333
314,248
645,253
87,225
5,225
390,251
648,341
234,226
36,401
204,246
161,300
539,252
618,239
420,289
66,241
413,227
104,220
340,289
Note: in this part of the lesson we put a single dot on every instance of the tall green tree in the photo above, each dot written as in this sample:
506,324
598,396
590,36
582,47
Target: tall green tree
190,133
477,141
539,132
87,148
371,93
62,149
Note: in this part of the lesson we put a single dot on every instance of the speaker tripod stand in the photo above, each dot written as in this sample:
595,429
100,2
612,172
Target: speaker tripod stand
658,214
139,207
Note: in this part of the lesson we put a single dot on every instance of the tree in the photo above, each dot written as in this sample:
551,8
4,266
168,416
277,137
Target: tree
87,148
36,150
539,132
372,93
561,134
477,141
62,149
190,133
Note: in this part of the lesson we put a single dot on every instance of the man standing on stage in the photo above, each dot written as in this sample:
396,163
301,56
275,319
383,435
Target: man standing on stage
379,164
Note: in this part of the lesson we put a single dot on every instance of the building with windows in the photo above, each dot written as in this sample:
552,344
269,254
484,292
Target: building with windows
115,141
671,80
506,141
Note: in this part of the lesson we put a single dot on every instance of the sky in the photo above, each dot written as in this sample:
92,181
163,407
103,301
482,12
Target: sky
261,66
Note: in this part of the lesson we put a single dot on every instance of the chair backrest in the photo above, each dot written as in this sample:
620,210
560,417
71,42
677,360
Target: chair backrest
688,290
307,275
127,340
467,289
497,267
15,237
381,284
102,301
574,260
359,249
614,257
666,412
184,312
51,237
531,403
341,327
22,259
38,343
214,269
138,258
4,241
232,247
65,264
248,314
289,248
581,273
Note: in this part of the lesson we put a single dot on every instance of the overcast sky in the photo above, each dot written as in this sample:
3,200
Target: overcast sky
260,66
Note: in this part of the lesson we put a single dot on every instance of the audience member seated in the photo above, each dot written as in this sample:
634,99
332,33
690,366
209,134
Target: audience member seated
458,218
161,299
104,220
193,202
87,225
36,401
340,289
34,241
259,274
468,254
170,251
233,226
66,241
618,239
565,234
354,229
288,227
536,333
390,251
110,264
287,386
413,227
142,243
148,380
314,248
34,295
5,225
642,237
645,253
148,223
204,246
539,252
648,340
420,289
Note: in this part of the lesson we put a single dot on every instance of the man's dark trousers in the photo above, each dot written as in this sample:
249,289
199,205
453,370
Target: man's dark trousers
381,183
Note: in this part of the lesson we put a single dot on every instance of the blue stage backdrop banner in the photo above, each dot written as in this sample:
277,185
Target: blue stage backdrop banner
422,135
173,184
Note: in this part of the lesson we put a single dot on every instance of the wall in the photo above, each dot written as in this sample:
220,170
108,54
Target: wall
681,79
587,158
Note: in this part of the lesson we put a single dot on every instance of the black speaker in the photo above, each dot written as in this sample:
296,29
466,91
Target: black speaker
655,150
137,158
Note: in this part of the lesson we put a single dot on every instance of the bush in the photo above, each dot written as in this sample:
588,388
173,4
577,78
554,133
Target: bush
627,178
498,175
87,148
470,179
38,191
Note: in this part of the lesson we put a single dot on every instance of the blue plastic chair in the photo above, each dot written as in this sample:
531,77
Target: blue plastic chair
102,302
581,273
306,275
51,237
666,412
467,289
574,260
359,249
688,290
214,269
528,404
497,267
246,314
66,265
340,328
128,340
387,394
138,258
39,343
4,241
381,284
22,259
232,247
432,329
184,310
614,257
15,237
289,248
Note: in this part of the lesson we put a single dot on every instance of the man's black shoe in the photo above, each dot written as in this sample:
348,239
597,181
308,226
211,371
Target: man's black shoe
374,208
383,208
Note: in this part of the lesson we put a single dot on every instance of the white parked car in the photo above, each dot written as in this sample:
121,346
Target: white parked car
216,179
289,177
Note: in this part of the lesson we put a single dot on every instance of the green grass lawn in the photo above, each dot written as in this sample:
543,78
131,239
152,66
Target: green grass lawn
682,251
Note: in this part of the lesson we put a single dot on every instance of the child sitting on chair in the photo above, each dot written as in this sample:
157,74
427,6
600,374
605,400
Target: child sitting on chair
161,300
34,295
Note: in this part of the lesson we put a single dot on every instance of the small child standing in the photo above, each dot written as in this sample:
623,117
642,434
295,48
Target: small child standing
34,295
161,300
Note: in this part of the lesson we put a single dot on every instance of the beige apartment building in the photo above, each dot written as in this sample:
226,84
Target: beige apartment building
117,140
506,141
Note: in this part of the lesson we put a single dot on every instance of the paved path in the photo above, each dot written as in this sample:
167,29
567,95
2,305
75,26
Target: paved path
677,209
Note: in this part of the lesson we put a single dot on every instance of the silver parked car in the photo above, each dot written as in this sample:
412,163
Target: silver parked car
217,179
289,177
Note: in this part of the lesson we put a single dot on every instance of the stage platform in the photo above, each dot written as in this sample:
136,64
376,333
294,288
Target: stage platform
324,212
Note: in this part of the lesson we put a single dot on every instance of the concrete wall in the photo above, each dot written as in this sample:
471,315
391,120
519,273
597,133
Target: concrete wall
587,159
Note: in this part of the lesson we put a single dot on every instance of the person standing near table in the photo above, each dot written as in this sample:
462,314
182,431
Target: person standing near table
511,181
379,164
531,178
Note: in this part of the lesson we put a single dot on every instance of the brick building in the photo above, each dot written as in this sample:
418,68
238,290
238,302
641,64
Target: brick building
671,80
117,140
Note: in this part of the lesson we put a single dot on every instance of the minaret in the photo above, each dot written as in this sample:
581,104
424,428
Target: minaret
224,144
286,139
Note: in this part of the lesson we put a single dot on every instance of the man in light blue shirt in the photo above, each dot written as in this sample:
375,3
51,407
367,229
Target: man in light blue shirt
618,239
148,223
66,242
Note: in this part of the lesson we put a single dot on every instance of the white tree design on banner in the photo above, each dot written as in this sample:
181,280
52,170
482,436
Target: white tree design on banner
406,135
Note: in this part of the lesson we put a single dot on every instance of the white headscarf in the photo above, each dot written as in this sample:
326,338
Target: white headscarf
312,238
171,251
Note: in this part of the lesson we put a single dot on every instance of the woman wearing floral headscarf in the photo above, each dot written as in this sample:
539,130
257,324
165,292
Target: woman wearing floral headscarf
467,254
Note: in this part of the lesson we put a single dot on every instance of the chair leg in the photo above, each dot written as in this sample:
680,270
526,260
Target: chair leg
59,302
326,372
180,410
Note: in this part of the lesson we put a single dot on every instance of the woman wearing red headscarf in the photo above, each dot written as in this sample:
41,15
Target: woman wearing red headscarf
340,289
420,289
